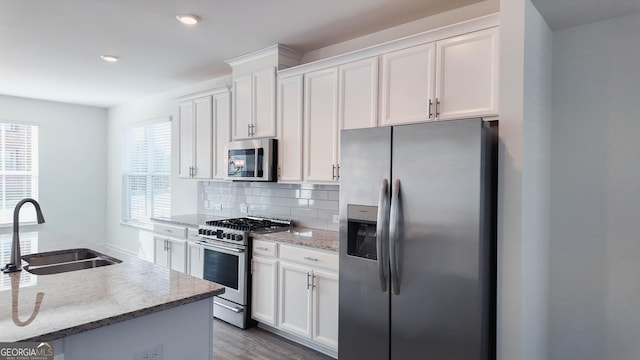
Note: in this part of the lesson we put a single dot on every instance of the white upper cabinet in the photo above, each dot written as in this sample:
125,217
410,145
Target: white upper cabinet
264,103
195,138
254,104
358,94
242,108
467,73
452,78
408,85
222,133
203,132
290,115
321,125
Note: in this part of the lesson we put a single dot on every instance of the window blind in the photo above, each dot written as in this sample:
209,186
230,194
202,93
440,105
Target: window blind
146,171
18,169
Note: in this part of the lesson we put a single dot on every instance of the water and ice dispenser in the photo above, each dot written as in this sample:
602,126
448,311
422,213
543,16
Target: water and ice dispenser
361,227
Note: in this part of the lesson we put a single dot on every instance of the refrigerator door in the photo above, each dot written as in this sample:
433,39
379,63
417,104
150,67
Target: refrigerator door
442,248
365,168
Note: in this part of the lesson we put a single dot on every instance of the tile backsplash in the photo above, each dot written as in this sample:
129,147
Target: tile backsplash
307,205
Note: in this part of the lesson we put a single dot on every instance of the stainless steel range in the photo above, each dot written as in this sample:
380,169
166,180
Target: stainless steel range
227,255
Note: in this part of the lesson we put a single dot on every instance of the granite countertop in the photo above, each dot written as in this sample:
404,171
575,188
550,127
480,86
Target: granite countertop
188,220
77,301
315,238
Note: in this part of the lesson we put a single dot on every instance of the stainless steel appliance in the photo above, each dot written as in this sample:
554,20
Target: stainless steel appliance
418,241
227,255
252,160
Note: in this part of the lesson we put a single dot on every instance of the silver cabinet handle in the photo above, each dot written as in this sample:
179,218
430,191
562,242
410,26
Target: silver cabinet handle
310,258
234,309
333,172
393,235
338,172
308,276
437,107
248,129
262,248
430,108
313,281
382,234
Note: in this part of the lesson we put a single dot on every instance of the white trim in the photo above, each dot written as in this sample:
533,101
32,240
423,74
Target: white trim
277,49
481,23
211,92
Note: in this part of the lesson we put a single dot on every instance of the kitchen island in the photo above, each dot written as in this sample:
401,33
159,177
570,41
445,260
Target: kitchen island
120,311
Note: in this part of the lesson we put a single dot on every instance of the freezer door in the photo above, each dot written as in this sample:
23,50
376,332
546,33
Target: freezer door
364,307
444,243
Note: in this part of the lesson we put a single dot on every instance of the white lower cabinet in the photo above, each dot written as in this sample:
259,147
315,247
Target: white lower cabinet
170,246
171,253
264,284
195,257
295,290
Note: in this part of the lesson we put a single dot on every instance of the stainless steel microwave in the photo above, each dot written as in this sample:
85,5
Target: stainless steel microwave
252,160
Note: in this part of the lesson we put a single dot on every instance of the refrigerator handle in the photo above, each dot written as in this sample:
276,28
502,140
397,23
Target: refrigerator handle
393,235
382,233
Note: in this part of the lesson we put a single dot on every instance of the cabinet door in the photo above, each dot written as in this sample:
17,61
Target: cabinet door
295,299
320,125
264,103
161,252
178,255
467,75
264,285
242,107
358,95
325,308
196,260
408,85
185,138
290,112
222,134
203,132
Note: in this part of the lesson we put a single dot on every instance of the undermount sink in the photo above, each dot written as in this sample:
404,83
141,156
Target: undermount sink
55,262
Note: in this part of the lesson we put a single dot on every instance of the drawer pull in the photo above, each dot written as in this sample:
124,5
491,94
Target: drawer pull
262,248
310,258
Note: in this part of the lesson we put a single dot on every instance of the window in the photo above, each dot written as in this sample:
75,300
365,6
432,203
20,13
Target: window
146,174
18,169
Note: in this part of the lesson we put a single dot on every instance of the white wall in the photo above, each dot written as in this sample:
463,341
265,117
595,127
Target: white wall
595,192
183,193
72,155
525,69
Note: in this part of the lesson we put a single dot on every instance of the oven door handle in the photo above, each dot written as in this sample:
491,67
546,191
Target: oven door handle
234,309
218,247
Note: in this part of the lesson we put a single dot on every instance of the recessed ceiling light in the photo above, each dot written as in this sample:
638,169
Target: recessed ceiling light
188,19
109,58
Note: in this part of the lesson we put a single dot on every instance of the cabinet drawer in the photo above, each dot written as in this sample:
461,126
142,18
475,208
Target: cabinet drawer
192,234
309,257
170,230
265,248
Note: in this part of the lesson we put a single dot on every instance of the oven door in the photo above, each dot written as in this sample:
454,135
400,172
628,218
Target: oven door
226,265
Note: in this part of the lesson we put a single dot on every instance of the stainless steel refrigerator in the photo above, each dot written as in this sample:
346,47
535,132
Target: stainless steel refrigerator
418,241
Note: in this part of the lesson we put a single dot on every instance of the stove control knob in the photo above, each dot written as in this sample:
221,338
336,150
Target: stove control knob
233,236
239,237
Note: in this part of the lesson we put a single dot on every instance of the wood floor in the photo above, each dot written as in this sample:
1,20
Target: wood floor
231,343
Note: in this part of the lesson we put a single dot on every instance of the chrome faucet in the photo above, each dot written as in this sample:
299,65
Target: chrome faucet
16,261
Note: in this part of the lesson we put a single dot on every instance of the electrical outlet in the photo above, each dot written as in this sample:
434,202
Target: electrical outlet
244,208
218,206
336,219
154,353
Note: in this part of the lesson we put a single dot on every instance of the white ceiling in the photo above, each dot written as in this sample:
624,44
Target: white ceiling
49,49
